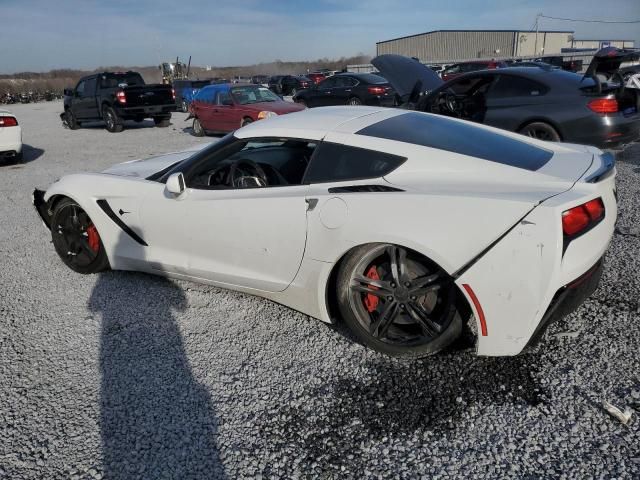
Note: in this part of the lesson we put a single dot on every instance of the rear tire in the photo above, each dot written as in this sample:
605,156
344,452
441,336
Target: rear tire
198,131
111,120
246,121
418,299
541,131
354,101
162,122
184,107
76,239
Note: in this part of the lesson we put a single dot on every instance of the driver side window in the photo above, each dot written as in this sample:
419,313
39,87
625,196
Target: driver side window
254,163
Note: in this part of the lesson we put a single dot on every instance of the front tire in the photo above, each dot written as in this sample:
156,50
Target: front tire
111,120
540,131
76,239
397,302
198,131
72,123
354,101
246,121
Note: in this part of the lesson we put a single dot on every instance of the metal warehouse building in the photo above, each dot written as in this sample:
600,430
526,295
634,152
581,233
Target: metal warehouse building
447,45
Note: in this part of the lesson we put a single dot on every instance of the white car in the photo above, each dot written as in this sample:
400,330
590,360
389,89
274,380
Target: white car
401,224
10,138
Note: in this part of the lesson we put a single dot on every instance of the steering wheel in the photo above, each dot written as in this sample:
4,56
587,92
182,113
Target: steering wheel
453,104
246,173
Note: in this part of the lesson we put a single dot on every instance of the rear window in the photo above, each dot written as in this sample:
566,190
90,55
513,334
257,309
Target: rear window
333,162
112,80
459,137
371,78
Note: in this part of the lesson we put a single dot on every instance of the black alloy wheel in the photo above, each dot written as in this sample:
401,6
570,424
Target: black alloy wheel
111,120
76,239
354,101
397,301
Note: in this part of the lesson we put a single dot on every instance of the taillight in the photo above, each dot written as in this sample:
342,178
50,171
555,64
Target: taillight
8,122
578,219
603,105
121,97
173,93
376,90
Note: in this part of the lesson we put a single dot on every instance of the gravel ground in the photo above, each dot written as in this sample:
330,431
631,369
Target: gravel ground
124,375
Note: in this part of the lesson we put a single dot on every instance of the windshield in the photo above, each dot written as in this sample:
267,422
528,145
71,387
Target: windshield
246,95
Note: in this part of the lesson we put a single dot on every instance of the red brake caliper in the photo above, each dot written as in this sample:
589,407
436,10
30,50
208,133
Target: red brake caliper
93,238
371,301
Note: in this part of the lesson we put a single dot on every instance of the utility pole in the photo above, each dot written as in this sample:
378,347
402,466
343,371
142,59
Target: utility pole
535,46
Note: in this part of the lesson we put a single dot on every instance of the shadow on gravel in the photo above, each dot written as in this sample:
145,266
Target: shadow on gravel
347,418
156,421
128,125
29,154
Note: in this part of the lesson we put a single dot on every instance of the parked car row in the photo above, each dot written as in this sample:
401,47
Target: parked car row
29,97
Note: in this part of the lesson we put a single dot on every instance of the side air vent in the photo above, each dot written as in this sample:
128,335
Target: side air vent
364,188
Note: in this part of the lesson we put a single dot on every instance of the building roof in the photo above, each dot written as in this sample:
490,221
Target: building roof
479,31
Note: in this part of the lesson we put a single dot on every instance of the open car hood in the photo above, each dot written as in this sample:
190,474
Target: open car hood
144,168
407,76
608,60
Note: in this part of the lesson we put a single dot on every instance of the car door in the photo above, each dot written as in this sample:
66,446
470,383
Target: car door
76,99
204,108
227,111
511,99
325,92
343,90
250,237
87,102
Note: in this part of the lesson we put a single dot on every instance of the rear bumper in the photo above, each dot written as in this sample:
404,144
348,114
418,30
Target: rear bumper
567,299
606,131
145,111
386,101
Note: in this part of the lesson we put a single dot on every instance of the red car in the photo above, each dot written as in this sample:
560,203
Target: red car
458,69
316,78
226,107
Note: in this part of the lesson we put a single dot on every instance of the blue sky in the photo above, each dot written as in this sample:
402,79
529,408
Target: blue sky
39,35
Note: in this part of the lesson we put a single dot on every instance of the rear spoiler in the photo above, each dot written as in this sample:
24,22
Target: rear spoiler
608,164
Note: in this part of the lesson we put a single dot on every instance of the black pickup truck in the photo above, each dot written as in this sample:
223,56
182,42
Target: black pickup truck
116,97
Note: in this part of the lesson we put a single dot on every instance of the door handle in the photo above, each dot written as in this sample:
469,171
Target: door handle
348,90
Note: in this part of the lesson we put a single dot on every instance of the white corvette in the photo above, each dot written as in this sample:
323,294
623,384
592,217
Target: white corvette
401,224
10,138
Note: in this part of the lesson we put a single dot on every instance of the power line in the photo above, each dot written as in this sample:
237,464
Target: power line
588,21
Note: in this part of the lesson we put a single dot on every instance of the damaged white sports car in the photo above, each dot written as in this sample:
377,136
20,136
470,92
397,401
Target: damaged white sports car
401,224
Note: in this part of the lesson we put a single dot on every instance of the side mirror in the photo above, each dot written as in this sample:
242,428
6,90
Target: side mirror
175,183
68,92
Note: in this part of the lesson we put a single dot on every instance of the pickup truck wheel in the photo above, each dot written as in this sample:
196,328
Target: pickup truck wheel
72,123
111,120
198,131
184,106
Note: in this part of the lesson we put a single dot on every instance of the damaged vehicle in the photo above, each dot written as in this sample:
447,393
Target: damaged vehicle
400,224
546,104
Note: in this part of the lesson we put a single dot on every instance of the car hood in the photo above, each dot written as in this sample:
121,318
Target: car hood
408,77
277,107
608,60
144,168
